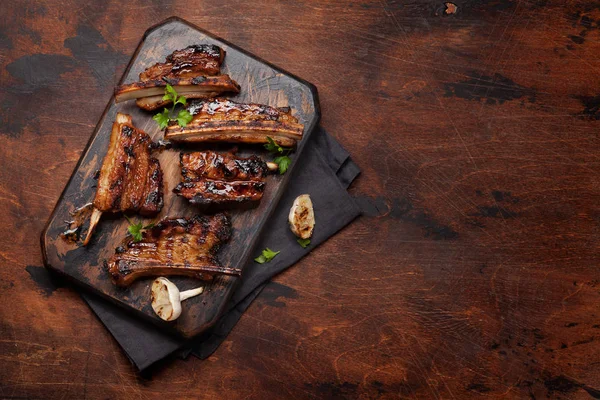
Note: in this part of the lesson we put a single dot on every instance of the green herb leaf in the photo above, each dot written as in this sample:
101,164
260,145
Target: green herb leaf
136,230
181,100
272,146
170,94
266,256
303,242
162,118
184,117
135,233
283,162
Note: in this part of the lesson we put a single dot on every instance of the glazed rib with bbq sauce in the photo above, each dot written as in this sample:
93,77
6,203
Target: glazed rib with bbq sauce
193,72
130,179
221,120
215,178
177,246
194,60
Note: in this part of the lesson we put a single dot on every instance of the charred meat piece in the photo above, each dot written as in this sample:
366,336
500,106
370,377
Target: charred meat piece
151,92
208,191
220,120
130,179
213,178
193,72
178,246
212,165
195,60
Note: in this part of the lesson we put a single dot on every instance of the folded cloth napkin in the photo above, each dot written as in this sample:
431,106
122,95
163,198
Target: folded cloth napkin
325,172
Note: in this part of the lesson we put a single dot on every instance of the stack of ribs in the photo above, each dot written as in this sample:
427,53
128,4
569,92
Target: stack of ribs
221,120
213,178
180,246
193,72
130,179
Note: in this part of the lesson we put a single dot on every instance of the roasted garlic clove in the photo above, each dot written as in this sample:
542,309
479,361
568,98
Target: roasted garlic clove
166,298
302,217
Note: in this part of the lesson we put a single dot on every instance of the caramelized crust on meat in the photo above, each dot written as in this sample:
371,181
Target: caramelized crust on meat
195,60
153,90
193,72
209,191
228,110
225,120
212,165
213,178
175,246
130,179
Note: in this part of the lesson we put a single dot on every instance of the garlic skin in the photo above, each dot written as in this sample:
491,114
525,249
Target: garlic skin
166,298
302,217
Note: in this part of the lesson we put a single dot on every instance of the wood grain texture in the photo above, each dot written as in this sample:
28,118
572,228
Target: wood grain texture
261,83
474,270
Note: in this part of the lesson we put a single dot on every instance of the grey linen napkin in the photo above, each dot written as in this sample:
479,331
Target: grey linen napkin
325,172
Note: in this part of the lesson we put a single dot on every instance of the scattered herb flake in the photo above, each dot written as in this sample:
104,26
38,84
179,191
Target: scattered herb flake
136,230
303,242
266,256
184,117
272,146
283,162
162,118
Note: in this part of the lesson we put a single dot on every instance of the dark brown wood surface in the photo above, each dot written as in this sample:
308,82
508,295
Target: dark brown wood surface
261,83
475,268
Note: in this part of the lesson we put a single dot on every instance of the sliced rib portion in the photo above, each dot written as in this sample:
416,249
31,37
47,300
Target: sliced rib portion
189,87
214,178
177,246
208,191
193,72
195,60
220,120
223,166
130,179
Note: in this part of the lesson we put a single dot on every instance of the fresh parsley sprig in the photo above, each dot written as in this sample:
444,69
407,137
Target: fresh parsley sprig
272,146
266,256
136,230
183,117
283,161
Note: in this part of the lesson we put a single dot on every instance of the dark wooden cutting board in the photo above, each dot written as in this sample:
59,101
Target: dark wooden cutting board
260,82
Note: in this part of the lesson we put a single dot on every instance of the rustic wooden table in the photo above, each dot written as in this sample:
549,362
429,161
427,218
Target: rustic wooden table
474,270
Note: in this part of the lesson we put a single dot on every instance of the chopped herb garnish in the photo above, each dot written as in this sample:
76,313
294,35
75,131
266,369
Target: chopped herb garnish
283,161
162,118
303,242
136,230
273,147
266,256
183,117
